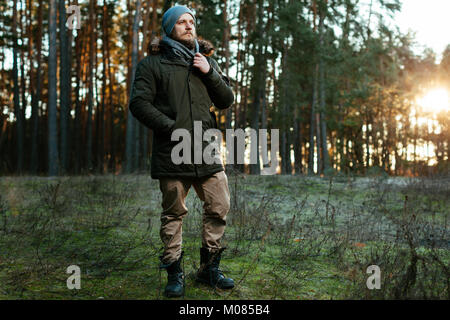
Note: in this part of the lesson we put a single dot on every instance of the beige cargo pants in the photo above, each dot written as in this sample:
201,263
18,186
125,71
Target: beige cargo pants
213,191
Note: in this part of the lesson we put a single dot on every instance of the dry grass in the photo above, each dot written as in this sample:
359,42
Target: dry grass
287,237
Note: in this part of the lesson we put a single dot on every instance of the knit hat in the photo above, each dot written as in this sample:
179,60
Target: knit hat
171,17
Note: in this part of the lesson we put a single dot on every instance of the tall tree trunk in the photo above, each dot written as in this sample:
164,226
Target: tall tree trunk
237,86
297,143
98,118
226,51
130,135
313,128
23,77
167,5
143,131
101,133
367,139
259,86
154,17
79,43
284,152
34,163
64,86
288,148
145,27
112,148
154,20
323,125
129,44
132,127
139,128
318,144
105,68
17,108
92,54
3,134
53,165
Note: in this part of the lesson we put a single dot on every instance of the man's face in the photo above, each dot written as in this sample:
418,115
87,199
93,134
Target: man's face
184,30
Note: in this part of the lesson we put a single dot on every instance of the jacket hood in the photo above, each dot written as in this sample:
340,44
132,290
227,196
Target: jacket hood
205,47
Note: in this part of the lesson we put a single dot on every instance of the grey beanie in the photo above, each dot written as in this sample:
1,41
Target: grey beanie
171,17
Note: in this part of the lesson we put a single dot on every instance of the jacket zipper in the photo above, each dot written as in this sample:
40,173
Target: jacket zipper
192,118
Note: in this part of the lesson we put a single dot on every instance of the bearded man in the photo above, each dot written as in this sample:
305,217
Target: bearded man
175,85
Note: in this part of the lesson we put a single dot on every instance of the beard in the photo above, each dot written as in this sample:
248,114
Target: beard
190,44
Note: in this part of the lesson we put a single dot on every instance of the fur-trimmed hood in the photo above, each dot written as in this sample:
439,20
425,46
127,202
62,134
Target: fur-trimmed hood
205,47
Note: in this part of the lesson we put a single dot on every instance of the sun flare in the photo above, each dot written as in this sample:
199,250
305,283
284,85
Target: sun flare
435,100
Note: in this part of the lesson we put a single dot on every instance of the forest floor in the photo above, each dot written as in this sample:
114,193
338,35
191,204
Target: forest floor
287,237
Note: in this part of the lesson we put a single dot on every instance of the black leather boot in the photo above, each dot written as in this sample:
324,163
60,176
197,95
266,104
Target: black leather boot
209,271
175,278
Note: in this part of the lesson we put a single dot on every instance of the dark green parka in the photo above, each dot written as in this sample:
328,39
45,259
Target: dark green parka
167,94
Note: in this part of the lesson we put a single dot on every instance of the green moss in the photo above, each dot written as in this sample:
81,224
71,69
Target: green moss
287,238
